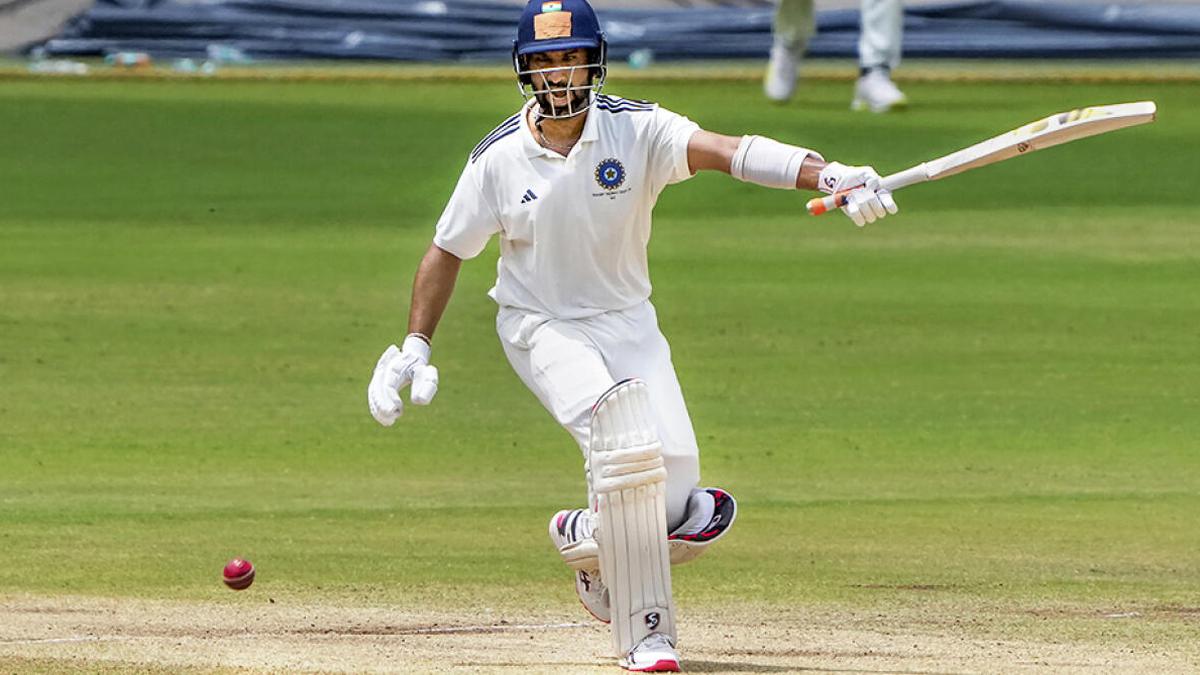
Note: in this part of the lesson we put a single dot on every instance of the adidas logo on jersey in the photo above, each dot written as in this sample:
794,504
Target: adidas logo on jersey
528,197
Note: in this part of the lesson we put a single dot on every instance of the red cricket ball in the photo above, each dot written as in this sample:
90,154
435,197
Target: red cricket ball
239,574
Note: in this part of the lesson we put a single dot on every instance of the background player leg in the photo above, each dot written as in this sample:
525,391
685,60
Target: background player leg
878,55
792,29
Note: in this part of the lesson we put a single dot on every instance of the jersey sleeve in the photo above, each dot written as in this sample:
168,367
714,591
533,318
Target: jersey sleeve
468,220
669,136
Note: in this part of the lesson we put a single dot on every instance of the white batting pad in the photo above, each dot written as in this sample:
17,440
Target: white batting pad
628,485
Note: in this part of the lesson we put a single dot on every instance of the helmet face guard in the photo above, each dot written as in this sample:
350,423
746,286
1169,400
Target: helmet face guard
554,26
543,83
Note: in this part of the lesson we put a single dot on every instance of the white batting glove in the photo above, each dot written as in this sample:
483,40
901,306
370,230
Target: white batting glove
396,369
867,201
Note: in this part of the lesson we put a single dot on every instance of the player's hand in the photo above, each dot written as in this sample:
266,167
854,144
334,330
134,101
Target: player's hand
397,369
867,201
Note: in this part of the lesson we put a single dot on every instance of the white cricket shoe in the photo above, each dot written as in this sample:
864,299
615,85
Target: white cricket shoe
711,512
876,92
780,81
571,533
654,654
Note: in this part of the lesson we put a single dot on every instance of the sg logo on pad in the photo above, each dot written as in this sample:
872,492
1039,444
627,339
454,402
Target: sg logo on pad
652,620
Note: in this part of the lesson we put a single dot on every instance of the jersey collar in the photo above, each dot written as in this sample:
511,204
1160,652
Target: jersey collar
534,149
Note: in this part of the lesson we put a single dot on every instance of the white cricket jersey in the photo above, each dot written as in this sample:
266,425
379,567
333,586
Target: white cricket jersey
573,230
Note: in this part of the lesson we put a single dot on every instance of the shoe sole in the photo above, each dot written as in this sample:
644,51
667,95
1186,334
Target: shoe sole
777,99
663,666
788,92
859,105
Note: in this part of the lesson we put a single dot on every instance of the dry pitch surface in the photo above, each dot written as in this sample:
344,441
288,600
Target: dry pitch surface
104,635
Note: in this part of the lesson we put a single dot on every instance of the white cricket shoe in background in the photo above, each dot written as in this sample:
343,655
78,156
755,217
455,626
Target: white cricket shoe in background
876,92
654,654
571,533
782,70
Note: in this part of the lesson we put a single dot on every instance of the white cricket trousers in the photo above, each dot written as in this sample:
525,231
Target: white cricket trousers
569,363
878,42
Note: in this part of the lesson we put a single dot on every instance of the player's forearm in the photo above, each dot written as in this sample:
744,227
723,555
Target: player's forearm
432,288
810,170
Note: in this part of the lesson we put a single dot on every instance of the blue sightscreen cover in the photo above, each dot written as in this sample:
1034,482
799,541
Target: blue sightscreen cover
469,30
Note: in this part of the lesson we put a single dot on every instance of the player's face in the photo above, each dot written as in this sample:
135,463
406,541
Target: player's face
562,82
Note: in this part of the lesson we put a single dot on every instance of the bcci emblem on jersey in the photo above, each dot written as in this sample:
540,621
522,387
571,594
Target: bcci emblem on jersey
610,174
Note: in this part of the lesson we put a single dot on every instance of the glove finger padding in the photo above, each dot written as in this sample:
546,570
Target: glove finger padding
889,203
396,376
872,207
388,354
384,409
869,203
424,385
383,398
853,210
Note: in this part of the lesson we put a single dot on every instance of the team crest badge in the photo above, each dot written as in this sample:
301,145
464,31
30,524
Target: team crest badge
610,174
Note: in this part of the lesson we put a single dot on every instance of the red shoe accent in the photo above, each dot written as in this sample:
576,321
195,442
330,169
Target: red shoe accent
663,666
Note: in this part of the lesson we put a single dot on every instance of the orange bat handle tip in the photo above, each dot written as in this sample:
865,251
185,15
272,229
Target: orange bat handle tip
818,205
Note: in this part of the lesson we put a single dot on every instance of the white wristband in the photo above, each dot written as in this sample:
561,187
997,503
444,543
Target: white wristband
415,344
768,162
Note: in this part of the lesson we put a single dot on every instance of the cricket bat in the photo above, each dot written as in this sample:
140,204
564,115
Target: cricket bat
1053,130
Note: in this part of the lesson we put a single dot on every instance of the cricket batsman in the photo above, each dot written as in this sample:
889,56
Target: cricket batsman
568,184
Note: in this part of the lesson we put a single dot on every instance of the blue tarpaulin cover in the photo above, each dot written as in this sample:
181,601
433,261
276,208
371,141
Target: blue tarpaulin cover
467,30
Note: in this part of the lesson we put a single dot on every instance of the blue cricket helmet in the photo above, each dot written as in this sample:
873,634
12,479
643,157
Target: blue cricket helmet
551,25
556,25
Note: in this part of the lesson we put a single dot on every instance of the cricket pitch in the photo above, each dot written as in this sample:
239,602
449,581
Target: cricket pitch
116,635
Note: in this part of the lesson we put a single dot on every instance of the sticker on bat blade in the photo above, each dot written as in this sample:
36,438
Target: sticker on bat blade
1034,127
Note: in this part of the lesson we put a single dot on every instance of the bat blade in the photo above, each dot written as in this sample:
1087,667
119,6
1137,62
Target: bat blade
1044,133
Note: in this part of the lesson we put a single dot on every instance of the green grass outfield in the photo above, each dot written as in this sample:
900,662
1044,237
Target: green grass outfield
991,399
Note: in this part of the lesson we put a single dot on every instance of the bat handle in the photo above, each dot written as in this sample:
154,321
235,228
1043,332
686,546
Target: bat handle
818,205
